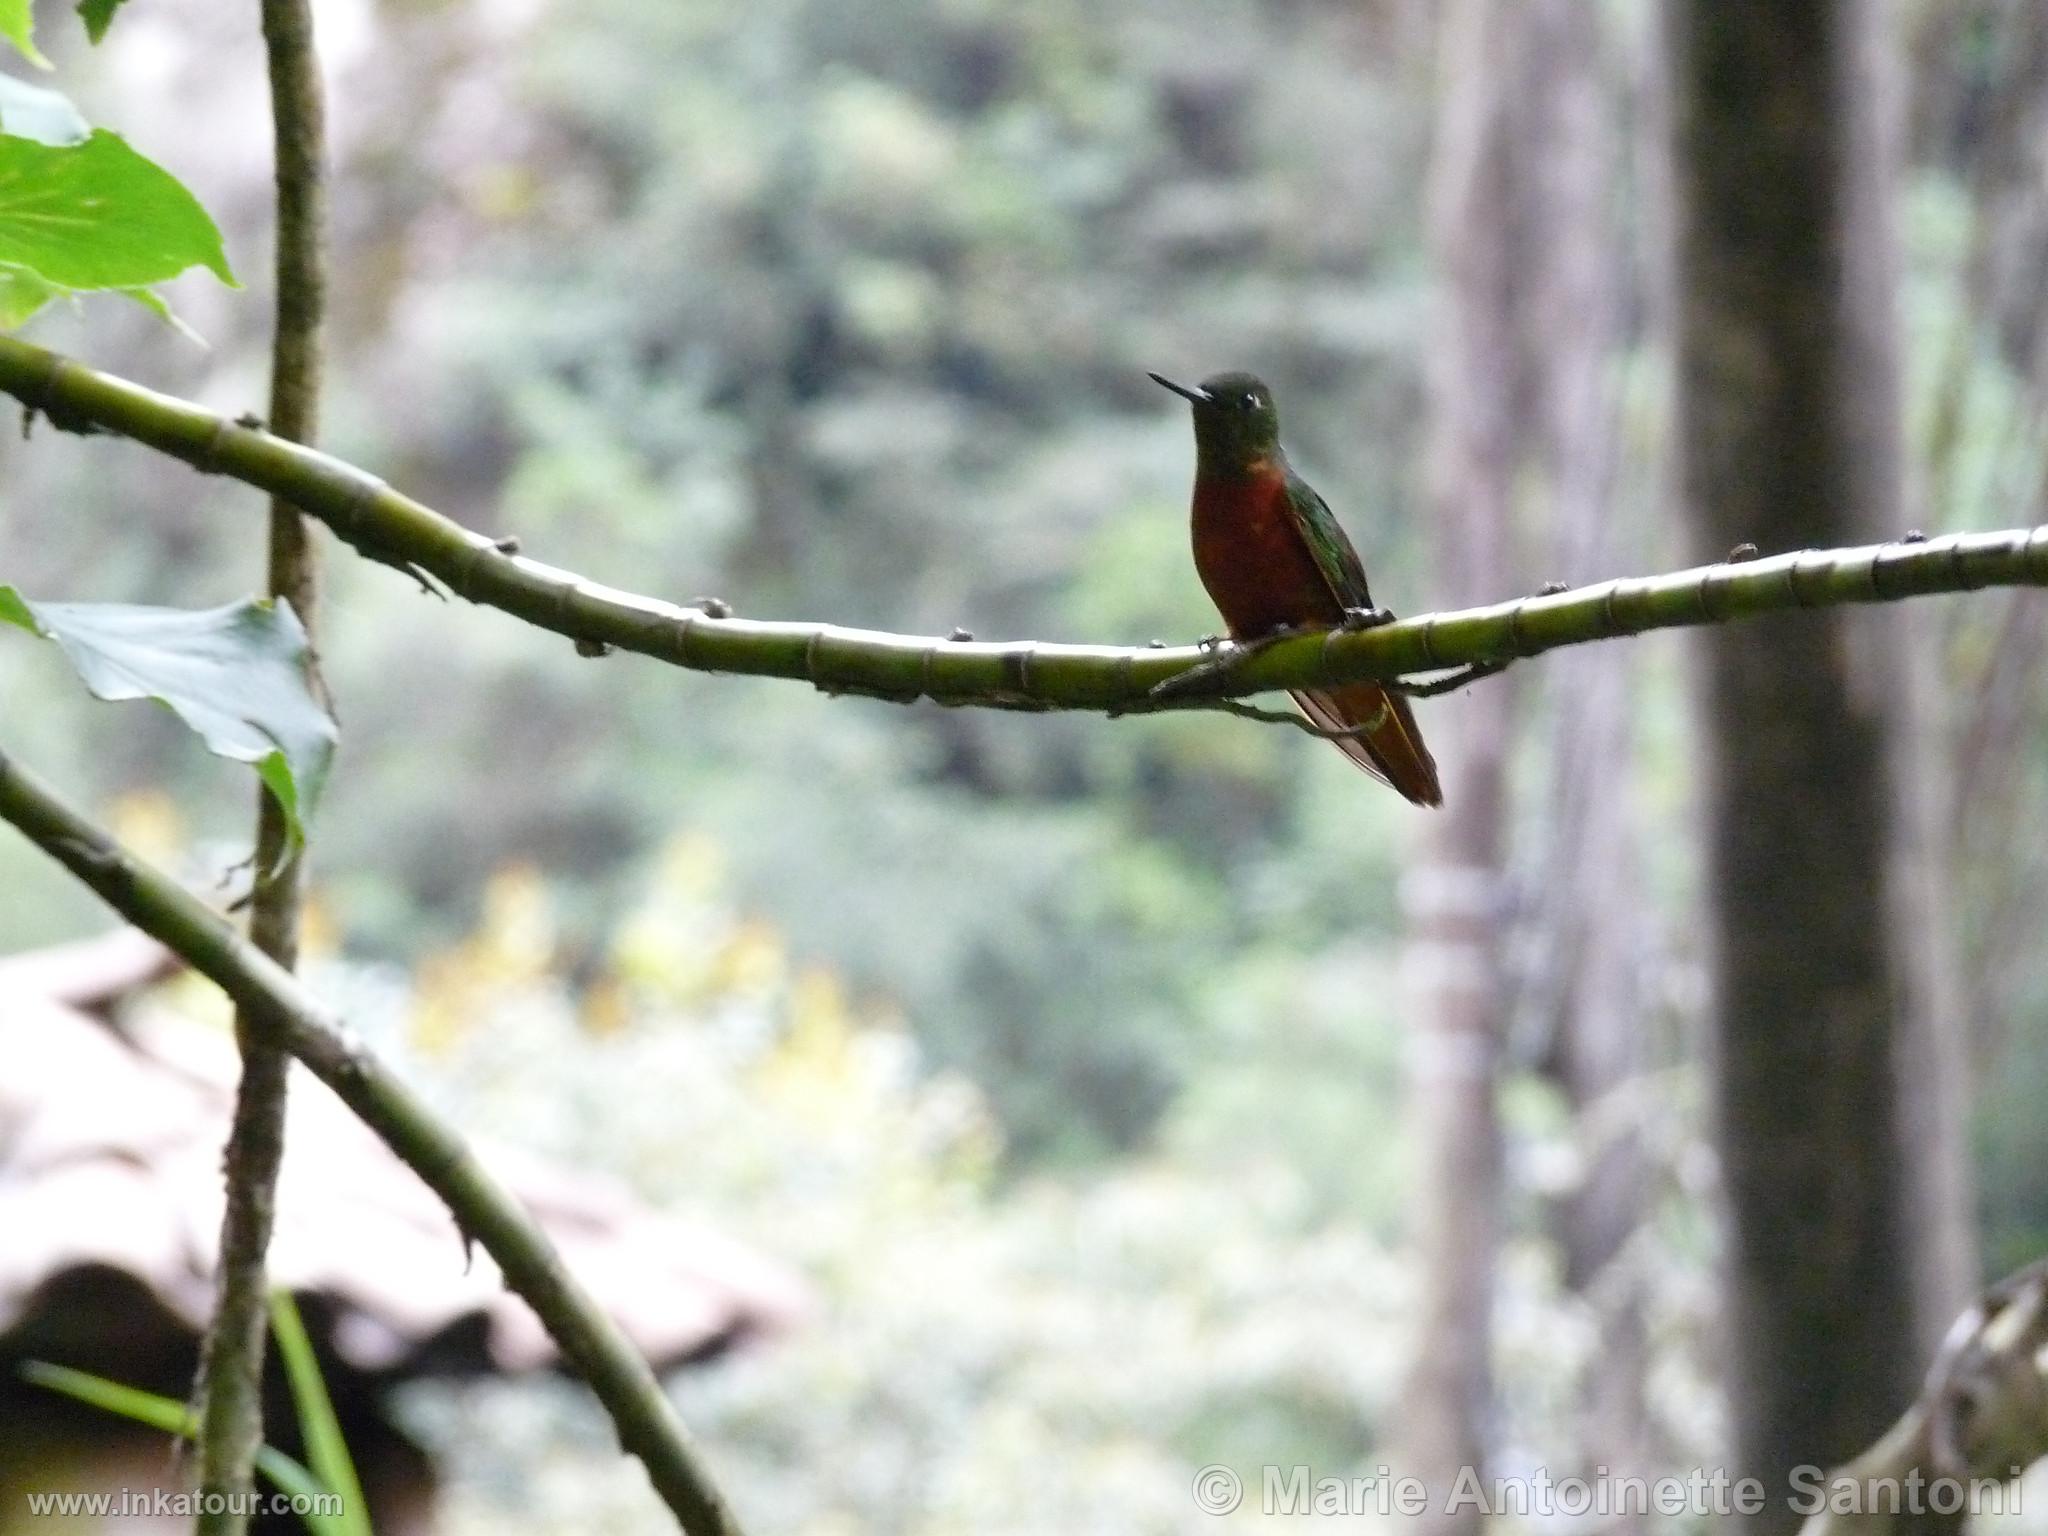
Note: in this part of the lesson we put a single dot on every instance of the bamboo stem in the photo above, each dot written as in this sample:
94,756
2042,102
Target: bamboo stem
388,526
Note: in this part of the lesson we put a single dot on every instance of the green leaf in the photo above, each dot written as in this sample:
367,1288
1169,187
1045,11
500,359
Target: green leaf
319,1428
157,305
15,610
23,294
97,15
238,675
99,215
36,112
48,117
18,26
173,1418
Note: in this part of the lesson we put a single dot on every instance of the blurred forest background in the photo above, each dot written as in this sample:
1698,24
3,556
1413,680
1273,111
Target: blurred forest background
1109,1079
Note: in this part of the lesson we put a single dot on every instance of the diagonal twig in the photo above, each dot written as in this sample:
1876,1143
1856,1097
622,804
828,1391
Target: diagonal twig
592,1344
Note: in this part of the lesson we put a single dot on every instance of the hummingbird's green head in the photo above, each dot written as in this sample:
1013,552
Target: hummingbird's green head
1236,426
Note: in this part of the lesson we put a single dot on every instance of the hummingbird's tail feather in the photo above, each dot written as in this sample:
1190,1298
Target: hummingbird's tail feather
1389,744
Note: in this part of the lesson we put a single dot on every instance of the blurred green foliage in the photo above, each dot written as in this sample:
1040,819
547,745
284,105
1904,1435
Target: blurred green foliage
1057,1353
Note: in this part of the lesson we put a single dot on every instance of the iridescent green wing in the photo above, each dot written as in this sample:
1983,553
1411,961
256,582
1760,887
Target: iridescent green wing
1334,556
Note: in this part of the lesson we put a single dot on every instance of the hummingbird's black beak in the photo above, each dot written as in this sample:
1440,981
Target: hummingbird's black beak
1199,397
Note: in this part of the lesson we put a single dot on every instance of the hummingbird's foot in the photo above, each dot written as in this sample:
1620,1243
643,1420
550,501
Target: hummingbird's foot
1464,677
1278,633
1367,618
1223,662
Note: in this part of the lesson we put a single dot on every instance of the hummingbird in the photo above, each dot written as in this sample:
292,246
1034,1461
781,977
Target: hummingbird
1273,558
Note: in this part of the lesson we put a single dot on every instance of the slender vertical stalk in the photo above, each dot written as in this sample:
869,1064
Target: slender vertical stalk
231,1371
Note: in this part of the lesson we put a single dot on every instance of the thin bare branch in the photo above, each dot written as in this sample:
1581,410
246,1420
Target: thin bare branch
592,1344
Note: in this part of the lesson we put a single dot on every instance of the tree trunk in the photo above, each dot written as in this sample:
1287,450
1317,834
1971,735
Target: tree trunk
1836,1130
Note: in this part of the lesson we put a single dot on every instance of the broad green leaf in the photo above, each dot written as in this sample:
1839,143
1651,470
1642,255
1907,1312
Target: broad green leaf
159,306
22,294
173,1418
36,112
33,112
97,15
238,675
18,26
99,215
319,1428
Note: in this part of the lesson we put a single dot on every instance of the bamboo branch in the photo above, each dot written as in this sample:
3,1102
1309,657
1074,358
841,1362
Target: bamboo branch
646,1422
231,1360
388,526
